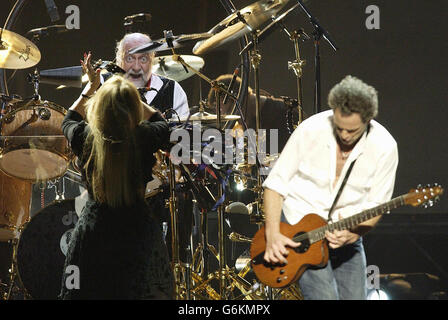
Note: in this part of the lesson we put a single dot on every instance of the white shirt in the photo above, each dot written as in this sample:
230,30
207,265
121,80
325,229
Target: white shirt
305,172
180,101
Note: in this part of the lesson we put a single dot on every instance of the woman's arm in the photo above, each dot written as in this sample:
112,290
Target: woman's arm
89,90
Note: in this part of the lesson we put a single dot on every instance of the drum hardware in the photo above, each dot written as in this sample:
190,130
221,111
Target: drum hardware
139,18
59,188
239,238
296,66
169,41
318,33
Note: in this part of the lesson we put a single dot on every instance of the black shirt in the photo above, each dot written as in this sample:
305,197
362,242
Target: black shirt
120,253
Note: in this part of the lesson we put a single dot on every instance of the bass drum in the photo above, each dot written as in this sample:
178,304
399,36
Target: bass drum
42,248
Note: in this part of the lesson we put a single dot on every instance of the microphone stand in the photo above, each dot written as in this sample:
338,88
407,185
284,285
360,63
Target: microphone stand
318,33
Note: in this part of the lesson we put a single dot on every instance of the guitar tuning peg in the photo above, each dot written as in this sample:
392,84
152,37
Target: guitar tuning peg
430,203
419,186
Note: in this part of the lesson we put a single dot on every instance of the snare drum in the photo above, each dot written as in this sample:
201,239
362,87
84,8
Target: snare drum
32,146
15,199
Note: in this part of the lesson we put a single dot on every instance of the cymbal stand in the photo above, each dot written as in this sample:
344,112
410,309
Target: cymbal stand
176,265
255,59
297,65
318,33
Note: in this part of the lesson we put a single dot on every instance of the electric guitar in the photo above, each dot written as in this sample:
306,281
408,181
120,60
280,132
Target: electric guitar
310,232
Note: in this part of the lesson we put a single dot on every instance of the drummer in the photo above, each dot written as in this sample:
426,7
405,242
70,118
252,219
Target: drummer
159,92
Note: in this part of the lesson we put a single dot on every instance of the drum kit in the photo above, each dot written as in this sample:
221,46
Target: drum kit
33,149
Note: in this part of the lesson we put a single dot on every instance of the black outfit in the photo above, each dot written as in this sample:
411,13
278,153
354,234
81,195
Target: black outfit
120,253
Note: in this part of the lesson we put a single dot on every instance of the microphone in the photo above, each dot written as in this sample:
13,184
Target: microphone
46,31
230,88
52,10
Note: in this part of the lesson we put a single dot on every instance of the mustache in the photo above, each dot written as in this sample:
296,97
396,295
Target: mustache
135,74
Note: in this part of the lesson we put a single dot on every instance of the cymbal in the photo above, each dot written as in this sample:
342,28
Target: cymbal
17,52
178,42
233,27
209,117
166,67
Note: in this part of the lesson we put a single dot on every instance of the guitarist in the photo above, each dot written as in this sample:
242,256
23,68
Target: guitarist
308,176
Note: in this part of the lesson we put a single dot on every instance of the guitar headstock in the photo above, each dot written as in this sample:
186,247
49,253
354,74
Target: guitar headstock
424,196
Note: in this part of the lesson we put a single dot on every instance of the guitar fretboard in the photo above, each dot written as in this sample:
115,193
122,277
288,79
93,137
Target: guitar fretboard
350,222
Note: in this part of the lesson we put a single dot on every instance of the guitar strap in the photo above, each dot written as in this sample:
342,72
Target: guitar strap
345,180
340,191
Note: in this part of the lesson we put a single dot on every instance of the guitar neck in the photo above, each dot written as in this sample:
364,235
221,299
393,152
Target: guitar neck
350,222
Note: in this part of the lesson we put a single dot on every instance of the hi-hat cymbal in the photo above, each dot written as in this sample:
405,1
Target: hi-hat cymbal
17,52
177,42
166,67
233,27
209,117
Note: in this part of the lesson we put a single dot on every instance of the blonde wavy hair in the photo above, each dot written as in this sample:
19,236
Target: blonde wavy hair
114,166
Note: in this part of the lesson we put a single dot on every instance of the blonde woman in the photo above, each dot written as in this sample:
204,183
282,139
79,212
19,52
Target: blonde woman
117,245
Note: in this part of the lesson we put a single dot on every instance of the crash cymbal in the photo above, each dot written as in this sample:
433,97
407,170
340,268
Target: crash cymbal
17,52
166,67
209,117
177,42
232,27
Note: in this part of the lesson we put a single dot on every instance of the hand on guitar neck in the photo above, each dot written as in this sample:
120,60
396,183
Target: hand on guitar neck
340,238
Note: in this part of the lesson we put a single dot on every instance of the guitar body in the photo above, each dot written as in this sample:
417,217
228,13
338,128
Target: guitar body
299,259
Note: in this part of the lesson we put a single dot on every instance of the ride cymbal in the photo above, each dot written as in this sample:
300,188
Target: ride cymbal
167,67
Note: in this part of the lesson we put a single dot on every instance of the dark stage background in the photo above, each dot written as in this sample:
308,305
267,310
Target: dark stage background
404,60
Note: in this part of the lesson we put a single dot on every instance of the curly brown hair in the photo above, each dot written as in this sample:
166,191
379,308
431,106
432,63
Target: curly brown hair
352,95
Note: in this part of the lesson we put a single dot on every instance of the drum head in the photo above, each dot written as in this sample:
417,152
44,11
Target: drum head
42,248
33,164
